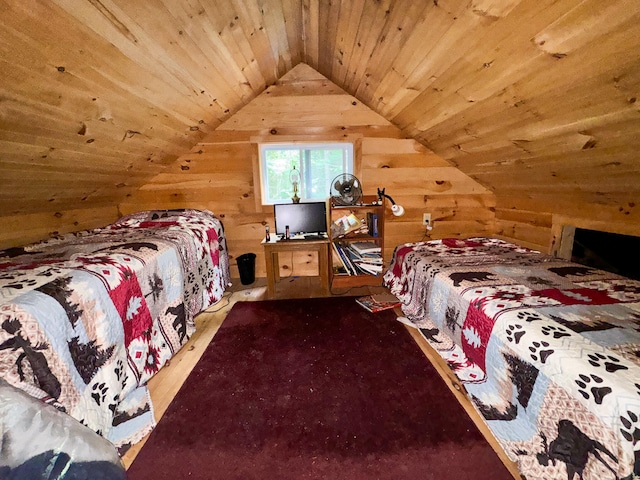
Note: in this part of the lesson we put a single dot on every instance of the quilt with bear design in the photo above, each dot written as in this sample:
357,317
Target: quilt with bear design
87,319
548,350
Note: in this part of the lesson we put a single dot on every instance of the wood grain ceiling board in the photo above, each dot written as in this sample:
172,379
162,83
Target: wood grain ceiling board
501,89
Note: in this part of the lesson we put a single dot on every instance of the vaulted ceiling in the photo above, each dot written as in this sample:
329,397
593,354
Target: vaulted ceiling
536,99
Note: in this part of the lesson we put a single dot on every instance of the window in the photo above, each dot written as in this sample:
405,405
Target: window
317,164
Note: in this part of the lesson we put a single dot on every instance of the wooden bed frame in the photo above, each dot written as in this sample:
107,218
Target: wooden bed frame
461,395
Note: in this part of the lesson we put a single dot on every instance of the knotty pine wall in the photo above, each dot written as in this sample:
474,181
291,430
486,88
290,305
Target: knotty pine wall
22,229
537,100
98,97
218,173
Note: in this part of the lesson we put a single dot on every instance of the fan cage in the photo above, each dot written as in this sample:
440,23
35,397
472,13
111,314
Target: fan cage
338,197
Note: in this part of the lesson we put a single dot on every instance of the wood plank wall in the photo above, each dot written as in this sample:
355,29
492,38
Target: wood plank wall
218,173
537,100
537,221
98,97
20,230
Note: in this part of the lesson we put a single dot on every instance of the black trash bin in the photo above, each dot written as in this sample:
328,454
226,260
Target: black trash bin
247,268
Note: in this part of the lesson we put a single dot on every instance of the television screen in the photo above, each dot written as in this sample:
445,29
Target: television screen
301,217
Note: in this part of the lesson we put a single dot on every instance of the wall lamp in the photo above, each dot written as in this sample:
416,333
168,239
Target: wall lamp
397,210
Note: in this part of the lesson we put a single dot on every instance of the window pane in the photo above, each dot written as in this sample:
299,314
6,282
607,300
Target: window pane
278,165
317,164
325,165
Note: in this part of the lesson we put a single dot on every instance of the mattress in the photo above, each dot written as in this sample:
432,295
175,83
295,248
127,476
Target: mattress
548,350
87,319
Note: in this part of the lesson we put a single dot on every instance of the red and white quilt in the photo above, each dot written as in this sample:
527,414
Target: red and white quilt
548,350
87,319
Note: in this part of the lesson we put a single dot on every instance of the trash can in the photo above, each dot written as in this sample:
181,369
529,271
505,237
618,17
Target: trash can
247,268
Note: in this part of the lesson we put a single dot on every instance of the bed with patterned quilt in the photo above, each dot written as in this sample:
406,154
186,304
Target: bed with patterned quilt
547,350
88,318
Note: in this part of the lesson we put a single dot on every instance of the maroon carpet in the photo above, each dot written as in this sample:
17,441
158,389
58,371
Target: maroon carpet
315,389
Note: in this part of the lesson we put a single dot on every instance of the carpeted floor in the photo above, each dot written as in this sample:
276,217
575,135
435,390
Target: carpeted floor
315,389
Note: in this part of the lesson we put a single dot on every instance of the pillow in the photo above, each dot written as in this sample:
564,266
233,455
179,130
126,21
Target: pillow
150,215
459,243
39,442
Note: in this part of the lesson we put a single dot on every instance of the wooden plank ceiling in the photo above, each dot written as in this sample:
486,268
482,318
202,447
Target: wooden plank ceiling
535,99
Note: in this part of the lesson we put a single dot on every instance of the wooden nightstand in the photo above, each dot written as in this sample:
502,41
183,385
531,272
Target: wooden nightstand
274,247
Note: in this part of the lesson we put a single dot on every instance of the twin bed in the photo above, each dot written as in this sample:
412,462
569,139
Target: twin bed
86,320
547,350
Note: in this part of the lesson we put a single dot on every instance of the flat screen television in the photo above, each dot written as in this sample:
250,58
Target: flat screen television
310,218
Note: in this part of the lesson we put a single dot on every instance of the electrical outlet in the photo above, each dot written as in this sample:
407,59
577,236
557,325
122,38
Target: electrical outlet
426,219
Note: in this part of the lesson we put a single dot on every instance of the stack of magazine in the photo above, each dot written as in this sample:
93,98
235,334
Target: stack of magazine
378,302
357,258
345,225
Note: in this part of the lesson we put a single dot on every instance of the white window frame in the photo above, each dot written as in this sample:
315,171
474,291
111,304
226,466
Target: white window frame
305,170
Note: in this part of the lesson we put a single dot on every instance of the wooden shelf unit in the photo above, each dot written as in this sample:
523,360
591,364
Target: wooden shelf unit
368,204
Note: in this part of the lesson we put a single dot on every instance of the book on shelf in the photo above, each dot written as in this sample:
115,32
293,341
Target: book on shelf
368,264
378,302
372,224
370,258
352,258
346,224
347,264
338,259
338,265
369,268
364,247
